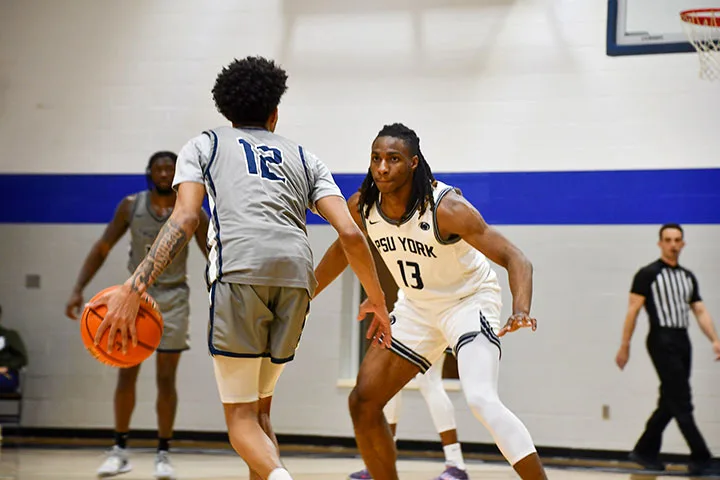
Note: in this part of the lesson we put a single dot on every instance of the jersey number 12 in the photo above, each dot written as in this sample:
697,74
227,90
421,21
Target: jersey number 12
414,271
265,154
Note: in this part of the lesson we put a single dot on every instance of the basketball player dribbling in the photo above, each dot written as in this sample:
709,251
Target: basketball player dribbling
260,267
144,214
442,413
435,243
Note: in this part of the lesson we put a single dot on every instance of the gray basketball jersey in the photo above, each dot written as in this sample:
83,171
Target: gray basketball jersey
145,225
259,187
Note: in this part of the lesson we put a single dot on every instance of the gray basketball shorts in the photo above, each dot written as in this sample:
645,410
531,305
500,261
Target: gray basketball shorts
174,303
251,321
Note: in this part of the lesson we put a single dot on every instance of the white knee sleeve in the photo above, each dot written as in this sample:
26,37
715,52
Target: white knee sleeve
437,399
237,378
269,375
245,380
478,364
392,409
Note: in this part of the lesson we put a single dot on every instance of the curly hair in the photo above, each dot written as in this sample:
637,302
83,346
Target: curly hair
247,91
162,154
423,179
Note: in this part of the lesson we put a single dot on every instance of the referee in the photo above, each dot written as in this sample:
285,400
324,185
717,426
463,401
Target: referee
668,292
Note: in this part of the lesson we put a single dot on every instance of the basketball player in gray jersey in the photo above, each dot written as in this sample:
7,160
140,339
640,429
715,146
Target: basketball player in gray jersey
144,214
260,266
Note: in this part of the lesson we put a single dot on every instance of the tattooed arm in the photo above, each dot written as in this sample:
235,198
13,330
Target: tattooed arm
124,302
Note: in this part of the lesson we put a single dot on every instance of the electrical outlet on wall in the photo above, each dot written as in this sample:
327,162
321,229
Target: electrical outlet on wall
606,412
32,280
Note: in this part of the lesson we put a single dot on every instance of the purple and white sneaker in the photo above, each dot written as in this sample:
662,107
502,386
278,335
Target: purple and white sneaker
453,473
361,475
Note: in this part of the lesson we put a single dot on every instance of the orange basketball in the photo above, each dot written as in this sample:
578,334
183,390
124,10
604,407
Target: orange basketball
149,325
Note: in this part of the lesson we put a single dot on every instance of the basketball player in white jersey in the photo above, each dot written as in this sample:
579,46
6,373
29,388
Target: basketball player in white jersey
435,244
143,214
260,266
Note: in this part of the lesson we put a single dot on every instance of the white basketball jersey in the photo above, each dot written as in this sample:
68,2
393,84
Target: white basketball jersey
426,268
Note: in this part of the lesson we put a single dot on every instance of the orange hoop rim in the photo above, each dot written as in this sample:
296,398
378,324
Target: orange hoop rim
699,16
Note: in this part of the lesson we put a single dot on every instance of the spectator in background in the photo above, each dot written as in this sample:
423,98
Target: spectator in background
13,357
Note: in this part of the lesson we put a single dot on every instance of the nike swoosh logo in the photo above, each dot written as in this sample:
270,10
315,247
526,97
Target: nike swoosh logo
373,223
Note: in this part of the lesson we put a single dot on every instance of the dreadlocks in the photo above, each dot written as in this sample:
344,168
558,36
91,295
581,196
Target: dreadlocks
422,182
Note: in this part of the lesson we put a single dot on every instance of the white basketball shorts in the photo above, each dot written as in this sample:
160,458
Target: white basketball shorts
422,332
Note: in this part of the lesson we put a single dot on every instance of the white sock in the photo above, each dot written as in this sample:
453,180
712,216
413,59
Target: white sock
279,474
453,456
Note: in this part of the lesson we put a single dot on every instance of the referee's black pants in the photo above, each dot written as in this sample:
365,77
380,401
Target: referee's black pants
671,353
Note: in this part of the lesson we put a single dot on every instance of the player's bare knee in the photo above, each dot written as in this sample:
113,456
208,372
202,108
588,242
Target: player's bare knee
358,403
264,421
240,412
127,377
362,402
354,402
165,382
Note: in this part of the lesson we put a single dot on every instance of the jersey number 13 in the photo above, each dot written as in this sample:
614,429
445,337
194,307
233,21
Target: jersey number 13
413,271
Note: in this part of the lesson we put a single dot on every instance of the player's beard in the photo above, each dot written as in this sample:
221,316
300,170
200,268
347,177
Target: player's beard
164,191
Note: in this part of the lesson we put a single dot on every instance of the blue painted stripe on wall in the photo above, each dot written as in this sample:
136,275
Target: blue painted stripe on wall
513,198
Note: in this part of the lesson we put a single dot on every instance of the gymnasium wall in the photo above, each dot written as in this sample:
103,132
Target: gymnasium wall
576,156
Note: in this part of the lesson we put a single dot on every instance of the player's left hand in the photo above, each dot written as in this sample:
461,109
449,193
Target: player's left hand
716,350
379,328
122,309
518,321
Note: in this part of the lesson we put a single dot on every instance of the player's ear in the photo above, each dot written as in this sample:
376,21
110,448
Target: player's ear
272,121
414,162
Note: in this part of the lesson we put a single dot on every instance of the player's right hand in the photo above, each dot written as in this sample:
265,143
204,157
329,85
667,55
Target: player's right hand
518,321
379,329
120,318
73,307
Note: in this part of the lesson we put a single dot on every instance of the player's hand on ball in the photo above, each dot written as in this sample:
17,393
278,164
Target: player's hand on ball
122,309
380,326
518,321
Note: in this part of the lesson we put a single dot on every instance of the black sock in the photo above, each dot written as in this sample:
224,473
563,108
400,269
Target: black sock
121,439
163,444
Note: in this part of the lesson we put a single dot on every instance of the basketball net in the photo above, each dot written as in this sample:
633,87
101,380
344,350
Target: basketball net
702,28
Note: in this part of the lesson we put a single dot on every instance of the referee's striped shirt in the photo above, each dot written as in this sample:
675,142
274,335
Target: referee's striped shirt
669,291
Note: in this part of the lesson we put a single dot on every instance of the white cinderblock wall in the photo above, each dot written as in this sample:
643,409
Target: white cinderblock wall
95,87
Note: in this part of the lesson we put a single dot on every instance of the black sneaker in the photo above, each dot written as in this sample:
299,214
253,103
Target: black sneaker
647,463
709,468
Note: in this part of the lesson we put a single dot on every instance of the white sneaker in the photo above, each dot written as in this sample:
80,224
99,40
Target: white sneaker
116,463
163,468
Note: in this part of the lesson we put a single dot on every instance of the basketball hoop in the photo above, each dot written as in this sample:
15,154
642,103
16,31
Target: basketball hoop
702,27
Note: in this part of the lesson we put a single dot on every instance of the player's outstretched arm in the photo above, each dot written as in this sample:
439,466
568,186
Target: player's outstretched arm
456,216
124,302
334,262
358,255
98,253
